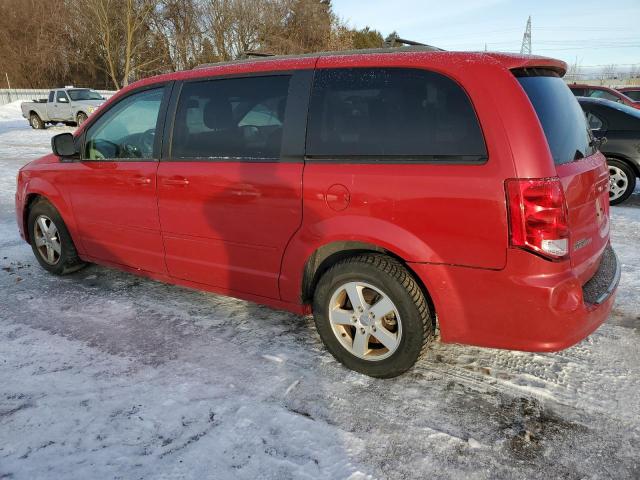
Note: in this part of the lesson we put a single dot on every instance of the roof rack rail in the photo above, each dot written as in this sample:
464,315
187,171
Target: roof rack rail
393,40
251,53
266,57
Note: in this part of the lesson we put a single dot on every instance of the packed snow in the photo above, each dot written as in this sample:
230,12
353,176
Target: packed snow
107,375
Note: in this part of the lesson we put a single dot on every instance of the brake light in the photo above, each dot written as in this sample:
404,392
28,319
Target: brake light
538,216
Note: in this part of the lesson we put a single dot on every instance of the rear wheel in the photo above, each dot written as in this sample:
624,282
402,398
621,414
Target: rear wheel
50,240
36,122
372,315
622,181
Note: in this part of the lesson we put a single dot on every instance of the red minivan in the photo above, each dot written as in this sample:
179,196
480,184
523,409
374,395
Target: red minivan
388,192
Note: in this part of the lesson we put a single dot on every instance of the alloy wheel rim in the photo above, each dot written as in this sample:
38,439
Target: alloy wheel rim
47,239
618,182
365,321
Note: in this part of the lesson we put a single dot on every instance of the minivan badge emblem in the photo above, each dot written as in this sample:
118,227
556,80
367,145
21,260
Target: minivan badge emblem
583,242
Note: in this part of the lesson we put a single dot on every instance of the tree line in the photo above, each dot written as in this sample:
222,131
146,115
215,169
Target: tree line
111,43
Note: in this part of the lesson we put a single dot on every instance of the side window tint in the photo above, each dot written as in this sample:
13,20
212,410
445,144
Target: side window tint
236,117
594,122
603,94
61,97
127,130
392,112
633,95
51,96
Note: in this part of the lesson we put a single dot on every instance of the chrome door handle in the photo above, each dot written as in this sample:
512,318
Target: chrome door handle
179,181
141,180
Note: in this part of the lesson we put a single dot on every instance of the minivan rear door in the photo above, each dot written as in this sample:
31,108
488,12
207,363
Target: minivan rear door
581,168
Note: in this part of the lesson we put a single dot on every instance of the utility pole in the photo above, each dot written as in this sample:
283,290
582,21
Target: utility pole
526,39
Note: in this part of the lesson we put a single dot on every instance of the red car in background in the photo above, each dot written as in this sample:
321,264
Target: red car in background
385,191
632,92
597,91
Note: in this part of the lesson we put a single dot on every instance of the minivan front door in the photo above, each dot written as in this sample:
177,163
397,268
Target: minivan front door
113,187
230,190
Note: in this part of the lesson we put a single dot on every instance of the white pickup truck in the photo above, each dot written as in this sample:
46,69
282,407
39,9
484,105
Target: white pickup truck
68,105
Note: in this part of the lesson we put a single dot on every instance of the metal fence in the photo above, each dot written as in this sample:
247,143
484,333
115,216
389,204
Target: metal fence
28,94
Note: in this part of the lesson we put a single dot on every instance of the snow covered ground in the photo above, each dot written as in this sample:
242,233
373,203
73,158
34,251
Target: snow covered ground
107,375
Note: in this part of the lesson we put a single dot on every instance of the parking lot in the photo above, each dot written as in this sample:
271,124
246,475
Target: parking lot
108,375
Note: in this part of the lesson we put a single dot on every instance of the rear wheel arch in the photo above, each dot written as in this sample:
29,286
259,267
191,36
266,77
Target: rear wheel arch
324,257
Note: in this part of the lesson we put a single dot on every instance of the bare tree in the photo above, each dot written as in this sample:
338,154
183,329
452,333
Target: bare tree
109,43
180,22
609,72
122,30
574,71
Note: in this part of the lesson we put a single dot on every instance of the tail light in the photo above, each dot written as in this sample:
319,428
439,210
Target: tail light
538,216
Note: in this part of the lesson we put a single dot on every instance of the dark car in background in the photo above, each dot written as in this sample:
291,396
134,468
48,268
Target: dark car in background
596,91
620,125
632,92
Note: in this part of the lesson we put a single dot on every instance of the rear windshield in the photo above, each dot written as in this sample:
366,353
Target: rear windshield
561,117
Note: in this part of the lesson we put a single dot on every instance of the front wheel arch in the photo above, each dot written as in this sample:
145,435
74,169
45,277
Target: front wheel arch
30,200
81,115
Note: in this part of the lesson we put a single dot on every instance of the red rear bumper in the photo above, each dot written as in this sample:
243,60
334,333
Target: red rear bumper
532,304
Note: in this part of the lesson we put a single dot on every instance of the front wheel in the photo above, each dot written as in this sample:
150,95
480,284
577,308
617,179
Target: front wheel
622,181
372,315
81,118
50,240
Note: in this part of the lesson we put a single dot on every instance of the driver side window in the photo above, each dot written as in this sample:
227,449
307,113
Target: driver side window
127,130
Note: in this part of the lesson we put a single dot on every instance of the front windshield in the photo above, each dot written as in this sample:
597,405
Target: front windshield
84,94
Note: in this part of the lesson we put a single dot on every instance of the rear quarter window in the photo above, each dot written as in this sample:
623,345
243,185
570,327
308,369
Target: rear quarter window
397,113
560,115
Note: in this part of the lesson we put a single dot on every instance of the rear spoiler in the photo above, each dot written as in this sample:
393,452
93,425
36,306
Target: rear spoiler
530,63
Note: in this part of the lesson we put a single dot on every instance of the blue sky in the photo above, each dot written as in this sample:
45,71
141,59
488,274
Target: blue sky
596,33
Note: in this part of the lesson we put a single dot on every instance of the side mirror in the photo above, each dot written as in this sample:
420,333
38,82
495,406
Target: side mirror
62,100
63,145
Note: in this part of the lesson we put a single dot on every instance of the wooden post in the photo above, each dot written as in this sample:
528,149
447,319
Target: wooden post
9,85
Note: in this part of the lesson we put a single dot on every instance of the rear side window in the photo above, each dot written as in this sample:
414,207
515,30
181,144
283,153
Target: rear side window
561,117
392,112
51,96
231,118
633,95
603,94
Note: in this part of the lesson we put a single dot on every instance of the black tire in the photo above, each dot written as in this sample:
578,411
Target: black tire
391,277
68,260
81,118
631,179
36,122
